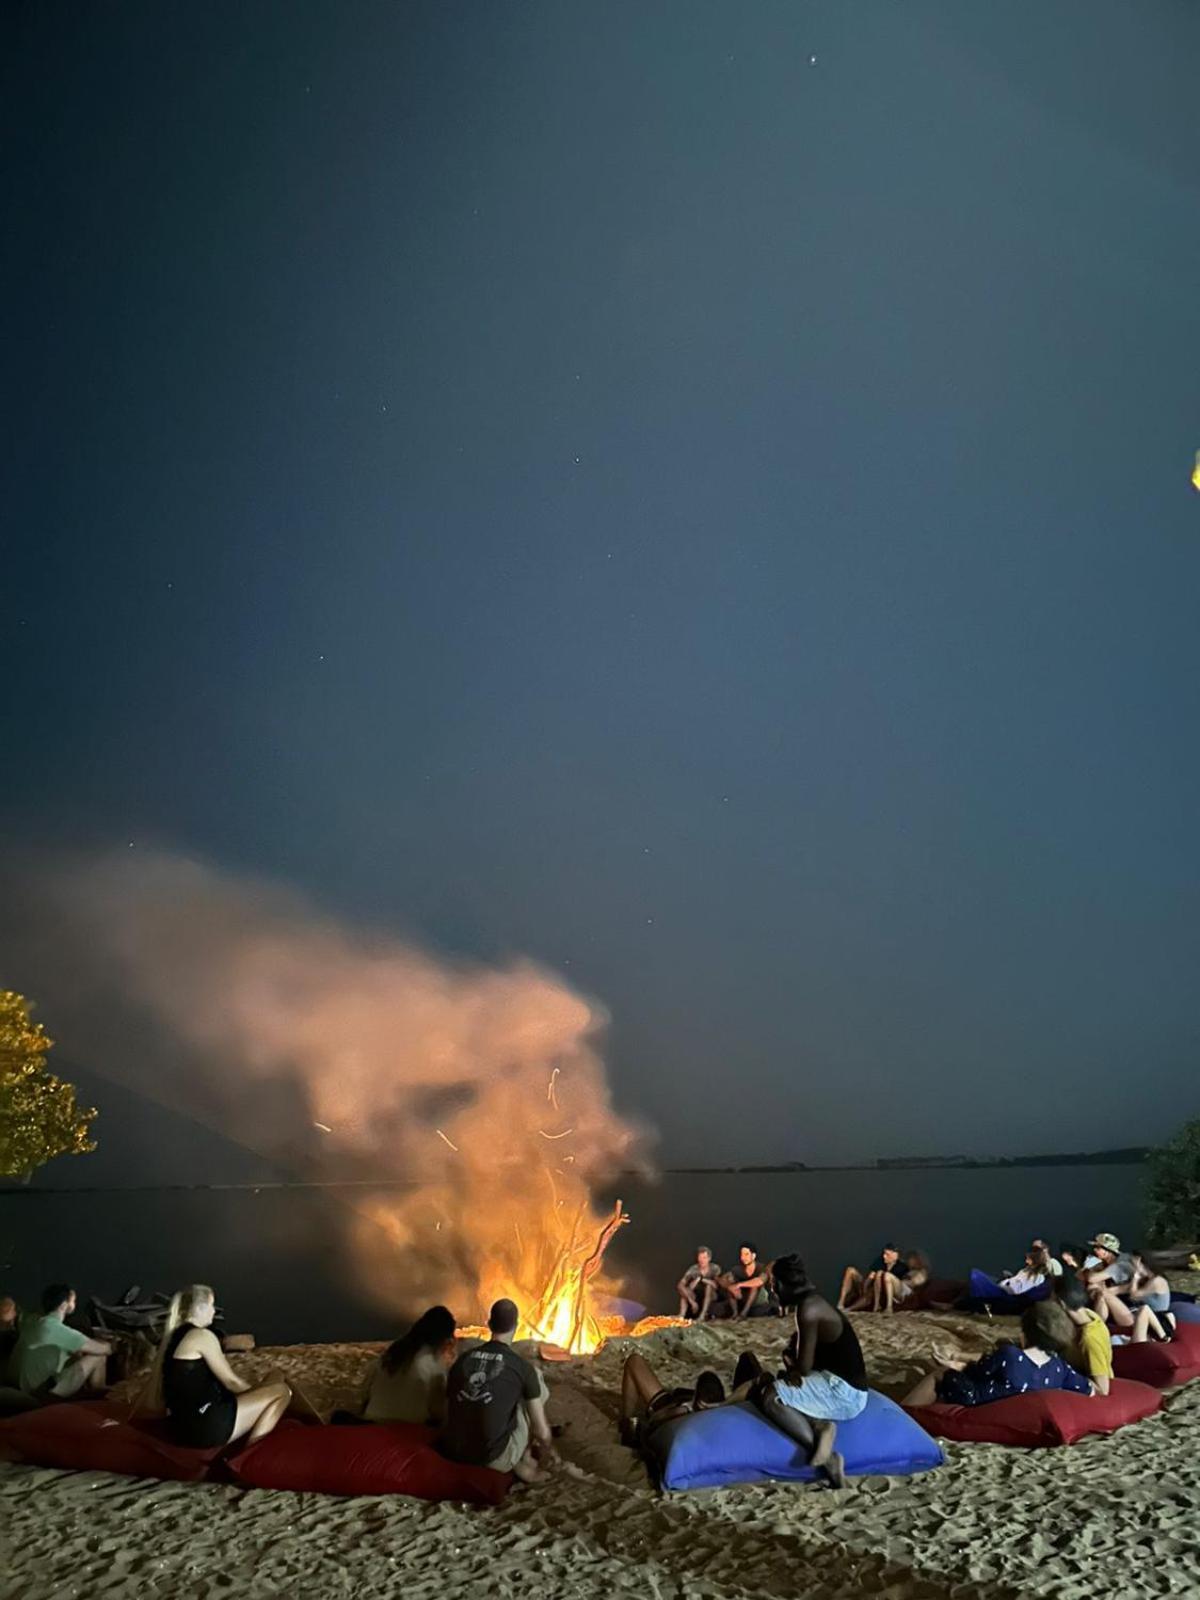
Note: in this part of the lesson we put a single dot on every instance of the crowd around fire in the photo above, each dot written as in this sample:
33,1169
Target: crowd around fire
488,1400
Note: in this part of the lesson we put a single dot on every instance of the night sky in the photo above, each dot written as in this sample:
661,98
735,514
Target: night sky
695,494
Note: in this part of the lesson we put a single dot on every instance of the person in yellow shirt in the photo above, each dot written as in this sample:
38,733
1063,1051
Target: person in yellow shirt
1091,1350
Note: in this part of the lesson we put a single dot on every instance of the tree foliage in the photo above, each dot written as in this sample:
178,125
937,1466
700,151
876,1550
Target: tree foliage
1173,1191
39,1116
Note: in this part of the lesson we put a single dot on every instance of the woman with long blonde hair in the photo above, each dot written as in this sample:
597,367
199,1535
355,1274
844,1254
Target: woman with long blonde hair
207,1404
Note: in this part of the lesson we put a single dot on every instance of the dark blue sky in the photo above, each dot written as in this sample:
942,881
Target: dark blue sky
598,482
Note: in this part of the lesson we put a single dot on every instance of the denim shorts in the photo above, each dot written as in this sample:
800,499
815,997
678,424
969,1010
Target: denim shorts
823,1396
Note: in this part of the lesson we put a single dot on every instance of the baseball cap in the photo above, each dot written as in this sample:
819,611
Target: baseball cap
1107,1241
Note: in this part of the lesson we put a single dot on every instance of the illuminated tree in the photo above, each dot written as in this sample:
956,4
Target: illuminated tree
1173,1193
39,1118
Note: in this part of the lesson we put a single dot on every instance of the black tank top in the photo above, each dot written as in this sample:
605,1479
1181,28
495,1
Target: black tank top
842,1356
189,1387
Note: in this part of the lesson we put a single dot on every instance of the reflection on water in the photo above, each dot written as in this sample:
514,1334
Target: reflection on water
279,1261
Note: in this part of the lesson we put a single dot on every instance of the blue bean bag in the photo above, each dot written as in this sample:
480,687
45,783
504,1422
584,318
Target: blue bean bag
1185,1310
736,1444
988,1292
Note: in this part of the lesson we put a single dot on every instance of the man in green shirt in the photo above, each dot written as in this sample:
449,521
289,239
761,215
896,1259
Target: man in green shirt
52,1361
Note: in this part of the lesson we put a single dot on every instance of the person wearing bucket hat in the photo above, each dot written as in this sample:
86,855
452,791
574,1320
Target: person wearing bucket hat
1111,1275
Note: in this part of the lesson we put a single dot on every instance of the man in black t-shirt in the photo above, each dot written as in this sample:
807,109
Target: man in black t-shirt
496,1405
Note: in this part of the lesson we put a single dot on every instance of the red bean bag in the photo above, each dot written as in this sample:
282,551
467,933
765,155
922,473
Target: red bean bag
94,1436
1161,1365
372,1458
1042,1417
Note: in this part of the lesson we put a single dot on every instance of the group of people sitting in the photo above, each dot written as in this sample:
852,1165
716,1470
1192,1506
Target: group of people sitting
1122,1290
706,1293
821,1380
487,1403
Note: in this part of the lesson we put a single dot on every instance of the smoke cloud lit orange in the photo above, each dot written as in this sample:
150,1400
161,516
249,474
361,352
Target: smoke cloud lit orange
358,1056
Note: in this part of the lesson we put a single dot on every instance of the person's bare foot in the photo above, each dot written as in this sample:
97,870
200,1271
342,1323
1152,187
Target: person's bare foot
835,1470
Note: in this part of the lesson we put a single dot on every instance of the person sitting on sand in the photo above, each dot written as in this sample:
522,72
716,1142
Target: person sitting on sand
747,1287
870,1291
408,1382
51,1361
699,1285
496,1405
646,1403
206,1403
1009,1369
1081,1338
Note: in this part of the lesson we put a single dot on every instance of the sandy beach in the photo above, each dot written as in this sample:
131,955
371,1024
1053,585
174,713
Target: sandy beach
1116,1515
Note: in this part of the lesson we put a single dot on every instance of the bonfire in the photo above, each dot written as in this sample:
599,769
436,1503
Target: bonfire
565,1319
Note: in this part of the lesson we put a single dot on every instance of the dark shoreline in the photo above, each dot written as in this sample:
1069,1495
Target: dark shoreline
1115,1158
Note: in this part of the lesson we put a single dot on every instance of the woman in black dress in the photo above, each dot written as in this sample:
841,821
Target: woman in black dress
207,1404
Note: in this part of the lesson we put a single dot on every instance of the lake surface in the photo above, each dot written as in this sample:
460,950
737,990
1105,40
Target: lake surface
279,1260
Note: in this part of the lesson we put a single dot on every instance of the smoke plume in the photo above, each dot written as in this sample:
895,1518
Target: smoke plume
352,1055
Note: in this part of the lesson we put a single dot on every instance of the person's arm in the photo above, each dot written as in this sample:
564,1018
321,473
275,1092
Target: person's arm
214,1359
94,1347
539,1429
1072,1380
802,1349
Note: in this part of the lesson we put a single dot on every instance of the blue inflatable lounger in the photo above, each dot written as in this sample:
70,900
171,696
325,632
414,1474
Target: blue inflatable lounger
736,1444
988,1292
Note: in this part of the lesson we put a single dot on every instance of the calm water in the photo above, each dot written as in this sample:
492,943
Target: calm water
279,1261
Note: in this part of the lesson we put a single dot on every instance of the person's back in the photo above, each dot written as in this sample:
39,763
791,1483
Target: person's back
415,1392
44,1347
835,1347
484,1394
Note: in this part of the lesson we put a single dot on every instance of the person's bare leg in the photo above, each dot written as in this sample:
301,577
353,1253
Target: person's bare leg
851,1287
923,1393
1119,1314
95,1370
889,1294
687,1303
299,1405
259,1410
527,1468
639,1385
708,1293
1145,1323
